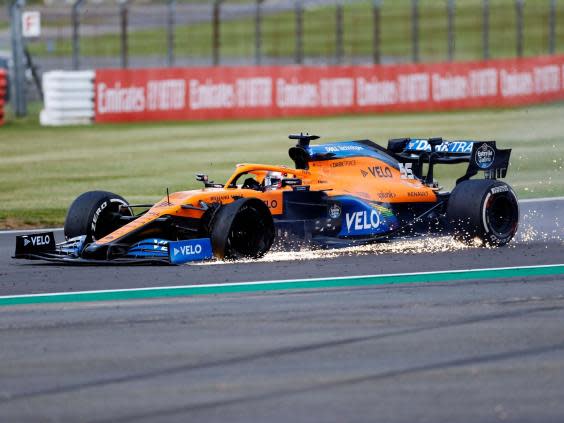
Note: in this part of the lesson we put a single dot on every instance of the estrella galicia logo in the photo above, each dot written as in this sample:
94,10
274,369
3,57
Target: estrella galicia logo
485,156
335,211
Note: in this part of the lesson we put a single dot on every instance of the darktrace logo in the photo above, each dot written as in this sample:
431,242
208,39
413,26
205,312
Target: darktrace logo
485,156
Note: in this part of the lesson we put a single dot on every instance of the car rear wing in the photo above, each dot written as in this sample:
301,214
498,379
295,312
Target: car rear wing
480,155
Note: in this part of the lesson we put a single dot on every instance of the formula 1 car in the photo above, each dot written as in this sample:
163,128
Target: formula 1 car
338,194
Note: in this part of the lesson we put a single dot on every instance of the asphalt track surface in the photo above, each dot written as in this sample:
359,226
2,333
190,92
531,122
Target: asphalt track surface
468,351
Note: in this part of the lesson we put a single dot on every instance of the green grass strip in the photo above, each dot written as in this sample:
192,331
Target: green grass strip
125,158
230,288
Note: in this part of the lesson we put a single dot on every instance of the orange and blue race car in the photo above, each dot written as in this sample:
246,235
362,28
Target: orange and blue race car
337,194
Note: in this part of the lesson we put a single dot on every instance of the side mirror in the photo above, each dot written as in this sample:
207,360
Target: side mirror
201,177
291,182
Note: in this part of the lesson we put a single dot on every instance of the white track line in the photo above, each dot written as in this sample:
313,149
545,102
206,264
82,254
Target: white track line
28,231
280,281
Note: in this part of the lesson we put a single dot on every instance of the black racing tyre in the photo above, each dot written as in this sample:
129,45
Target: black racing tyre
486,209
95,214
242,229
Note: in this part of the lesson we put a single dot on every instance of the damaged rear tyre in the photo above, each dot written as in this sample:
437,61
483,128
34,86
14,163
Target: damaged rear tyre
242,229
95,214
486,209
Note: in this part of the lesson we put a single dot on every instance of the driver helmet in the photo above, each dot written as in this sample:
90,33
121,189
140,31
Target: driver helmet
273,180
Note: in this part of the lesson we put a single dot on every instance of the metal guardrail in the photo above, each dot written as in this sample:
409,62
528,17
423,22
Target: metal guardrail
131,33
3,92
90,34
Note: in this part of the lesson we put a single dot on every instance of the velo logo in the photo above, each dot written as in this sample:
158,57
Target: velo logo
361,220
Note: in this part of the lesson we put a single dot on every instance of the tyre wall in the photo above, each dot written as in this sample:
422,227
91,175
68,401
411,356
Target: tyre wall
69,98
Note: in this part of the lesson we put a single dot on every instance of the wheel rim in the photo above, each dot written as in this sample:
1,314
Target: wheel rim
501,214
248,234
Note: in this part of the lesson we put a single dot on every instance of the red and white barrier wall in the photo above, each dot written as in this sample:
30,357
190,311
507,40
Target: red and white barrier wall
274,91
255,92
3,92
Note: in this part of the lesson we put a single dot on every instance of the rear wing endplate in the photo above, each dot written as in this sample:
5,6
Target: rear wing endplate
487,158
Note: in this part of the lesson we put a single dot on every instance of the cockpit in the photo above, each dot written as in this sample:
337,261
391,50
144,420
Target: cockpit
264,178
258,177
259,180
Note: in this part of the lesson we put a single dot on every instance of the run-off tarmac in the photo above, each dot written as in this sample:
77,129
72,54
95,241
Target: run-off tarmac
487,350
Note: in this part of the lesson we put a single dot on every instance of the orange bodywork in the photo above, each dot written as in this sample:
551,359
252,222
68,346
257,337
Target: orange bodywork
368,178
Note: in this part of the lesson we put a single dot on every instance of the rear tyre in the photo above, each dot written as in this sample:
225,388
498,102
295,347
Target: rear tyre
242,229
95,214
486,209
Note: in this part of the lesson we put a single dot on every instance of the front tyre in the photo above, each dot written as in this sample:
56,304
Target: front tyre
242,229
95,214
486,209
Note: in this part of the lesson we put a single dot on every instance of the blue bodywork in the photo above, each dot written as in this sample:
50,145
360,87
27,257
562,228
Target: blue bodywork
362,218
147,250
73,247
177,252
189,250
342,150
152,247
